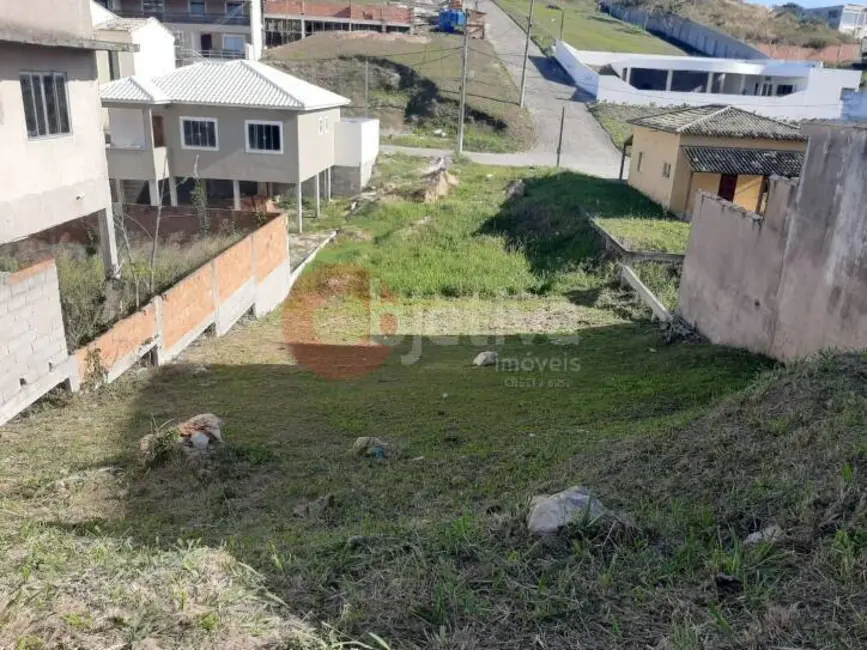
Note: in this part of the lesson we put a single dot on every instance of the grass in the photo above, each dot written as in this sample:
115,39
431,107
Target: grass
614,118
655,235
662,279
584,28
427,548
414,84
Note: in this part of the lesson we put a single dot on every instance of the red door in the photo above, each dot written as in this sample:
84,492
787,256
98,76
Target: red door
728,183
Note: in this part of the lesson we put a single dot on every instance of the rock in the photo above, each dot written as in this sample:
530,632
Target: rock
516,189
768,535
206,423
550,513
314,508
487,358
369,446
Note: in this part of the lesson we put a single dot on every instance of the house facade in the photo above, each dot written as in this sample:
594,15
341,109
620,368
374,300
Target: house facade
716,149
794,90
154,44
849,19
53,164
290,20
209,29
233,129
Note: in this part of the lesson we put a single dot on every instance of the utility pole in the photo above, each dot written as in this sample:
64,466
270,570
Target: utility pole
460,147
560,140
366,86
526,52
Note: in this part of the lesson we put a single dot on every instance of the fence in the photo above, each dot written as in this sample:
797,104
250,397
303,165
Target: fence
253,275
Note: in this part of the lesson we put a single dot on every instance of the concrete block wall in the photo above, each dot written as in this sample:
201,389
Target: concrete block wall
33,356
794,282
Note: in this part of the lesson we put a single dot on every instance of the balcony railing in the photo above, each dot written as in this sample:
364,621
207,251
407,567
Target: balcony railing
187,17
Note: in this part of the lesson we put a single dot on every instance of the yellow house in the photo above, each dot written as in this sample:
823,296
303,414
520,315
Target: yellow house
719,149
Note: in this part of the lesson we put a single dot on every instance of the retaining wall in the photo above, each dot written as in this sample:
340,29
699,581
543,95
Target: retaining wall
253,275
685,32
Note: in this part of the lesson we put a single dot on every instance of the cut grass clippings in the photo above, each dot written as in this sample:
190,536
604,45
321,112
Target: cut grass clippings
650,235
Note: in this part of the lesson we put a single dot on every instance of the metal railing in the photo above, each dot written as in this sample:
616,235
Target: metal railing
187,56
187,17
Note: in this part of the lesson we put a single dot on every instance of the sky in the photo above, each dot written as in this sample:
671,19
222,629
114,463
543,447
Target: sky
804,3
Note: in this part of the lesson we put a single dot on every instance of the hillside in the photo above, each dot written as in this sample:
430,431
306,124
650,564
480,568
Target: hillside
752,22
414,86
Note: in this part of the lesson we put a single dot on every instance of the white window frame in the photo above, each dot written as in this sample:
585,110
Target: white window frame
247,147
194,118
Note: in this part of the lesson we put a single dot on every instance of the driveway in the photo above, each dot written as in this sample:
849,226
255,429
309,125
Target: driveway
586,146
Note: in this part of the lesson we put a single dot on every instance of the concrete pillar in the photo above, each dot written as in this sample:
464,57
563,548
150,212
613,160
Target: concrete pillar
743,85
668,79
709,86
328,185
118,190
629,76
316,191
173,191
236,195
147,116
154,190
256,29
108,242
303,28
299,208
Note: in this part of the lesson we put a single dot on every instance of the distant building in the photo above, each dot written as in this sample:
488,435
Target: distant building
290,20
203,29
849,19
718,149
793,90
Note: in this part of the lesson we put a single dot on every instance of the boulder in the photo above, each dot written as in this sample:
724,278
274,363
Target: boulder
516,190
487,358
768,535
550,513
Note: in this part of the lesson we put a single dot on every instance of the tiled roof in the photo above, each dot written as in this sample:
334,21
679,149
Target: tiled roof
719,121
122,24
233,83
735,160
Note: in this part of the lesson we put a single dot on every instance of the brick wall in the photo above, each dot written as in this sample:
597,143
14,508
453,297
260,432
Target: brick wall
254,274
32,343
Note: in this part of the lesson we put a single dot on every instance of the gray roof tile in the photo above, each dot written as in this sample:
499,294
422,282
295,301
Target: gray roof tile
736,160
717,120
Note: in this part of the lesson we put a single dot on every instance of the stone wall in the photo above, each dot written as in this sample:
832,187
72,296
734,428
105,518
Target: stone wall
794,281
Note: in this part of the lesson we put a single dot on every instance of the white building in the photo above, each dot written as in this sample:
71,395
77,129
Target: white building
782,89
849,19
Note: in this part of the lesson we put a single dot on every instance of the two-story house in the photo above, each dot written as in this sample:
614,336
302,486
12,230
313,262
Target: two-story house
210,29
53,165
224,129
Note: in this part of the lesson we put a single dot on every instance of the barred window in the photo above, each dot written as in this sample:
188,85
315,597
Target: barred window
264,137
46,105
199,133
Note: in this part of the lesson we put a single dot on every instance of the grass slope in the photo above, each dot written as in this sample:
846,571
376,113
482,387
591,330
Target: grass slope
428,549
414,86
656,235
584,27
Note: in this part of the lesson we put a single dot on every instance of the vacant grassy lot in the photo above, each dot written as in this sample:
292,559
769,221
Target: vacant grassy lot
427,548
657,235
614,118
414,87
584,27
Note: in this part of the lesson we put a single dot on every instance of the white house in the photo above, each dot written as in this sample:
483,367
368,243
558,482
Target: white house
782,89
155,53
849,18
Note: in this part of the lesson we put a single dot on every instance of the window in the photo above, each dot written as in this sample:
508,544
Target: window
264,137
640,160
197,7
113,65
323,125
199,133
233,43
234,8
666,170
785,89
46,106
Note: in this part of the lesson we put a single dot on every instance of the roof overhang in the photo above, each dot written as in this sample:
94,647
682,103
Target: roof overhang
10,34
744,161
